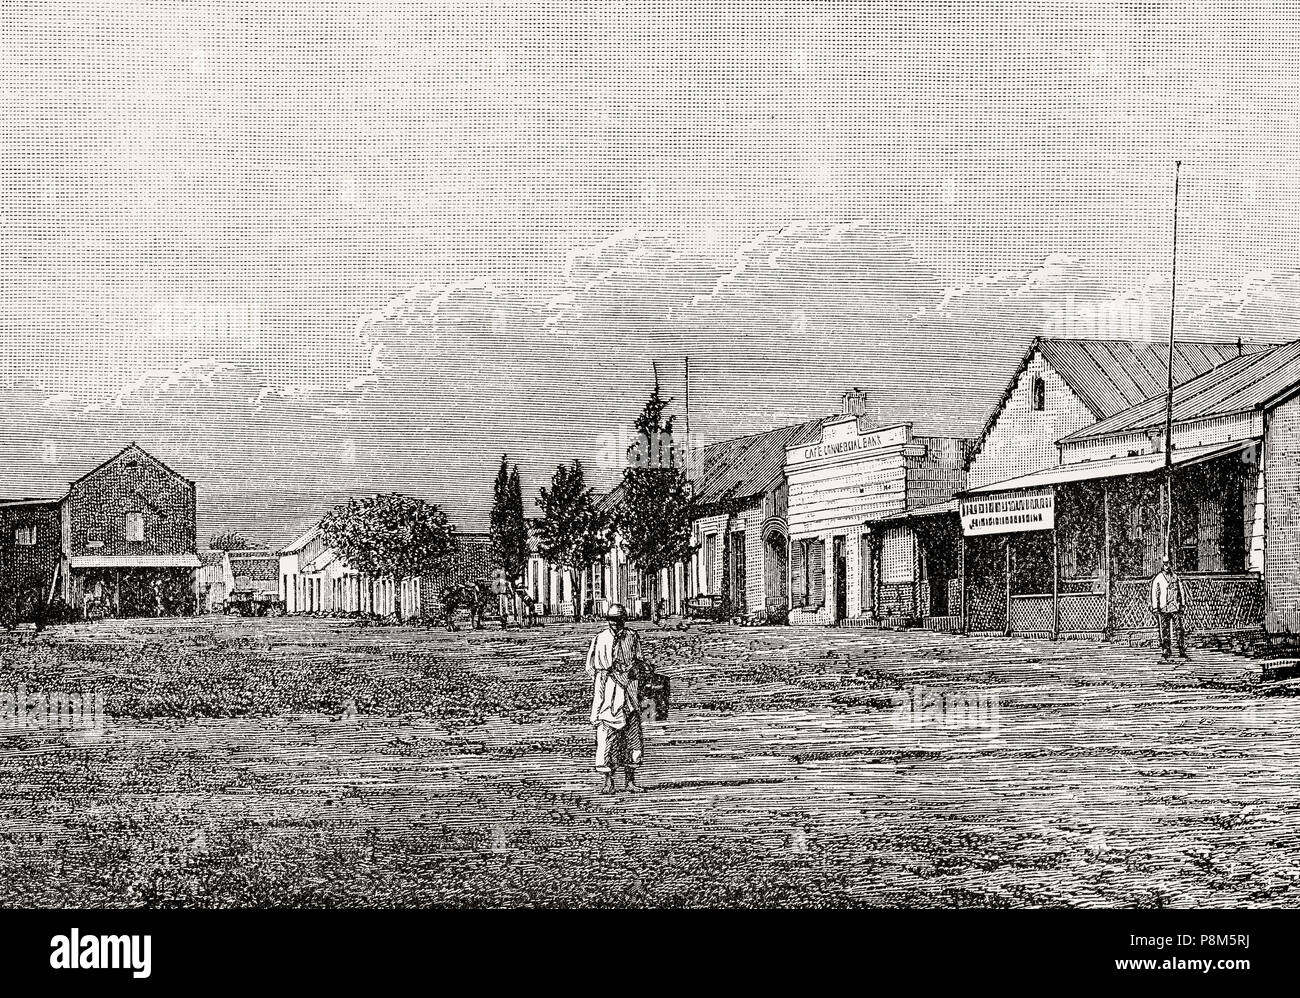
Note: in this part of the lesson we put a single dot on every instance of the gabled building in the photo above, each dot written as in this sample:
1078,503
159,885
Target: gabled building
121,542
129,538
740,533
1056,530
1063,385
1236,493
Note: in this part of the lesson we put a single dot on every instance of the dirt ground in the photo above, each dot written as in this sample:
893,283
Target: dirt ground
314,762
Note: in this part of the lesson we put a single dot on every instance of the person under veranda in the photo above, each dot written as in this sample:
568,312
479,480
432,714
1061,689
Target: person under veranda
1167,605
614,663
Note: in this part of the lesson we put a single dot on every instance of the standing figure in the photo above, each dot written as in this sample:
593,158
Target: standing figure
614,663
1167,605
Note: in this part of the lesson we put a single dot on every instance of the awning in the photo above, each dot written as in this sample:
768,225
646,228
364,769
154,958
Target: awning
1083,471
933,509
187,560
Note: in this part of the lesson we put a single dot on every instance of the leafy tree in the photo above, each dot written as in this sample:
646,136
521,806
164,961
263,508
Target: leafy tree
508,530
233,541
657,508
389,536
572,531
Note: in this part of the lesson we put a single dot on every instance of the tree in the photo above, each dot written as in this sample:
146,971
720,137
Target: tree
233,541
389,536
572,531
517,545
658,508
508,530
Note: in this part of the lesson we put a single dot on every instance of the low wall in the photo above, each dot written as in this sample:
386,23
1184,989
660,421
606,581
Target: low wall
1213,603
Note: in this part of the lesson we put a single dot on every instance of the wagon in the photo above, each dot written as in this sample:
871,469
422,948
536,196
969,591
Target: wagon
253,603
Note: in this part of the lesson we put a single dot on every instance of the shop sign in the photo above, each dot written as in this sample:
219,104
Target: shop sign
1006,514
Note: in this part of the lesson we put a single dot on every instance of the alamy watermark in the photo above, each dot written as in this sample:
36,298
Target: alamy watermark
631,449
1123,320
928,708
23,711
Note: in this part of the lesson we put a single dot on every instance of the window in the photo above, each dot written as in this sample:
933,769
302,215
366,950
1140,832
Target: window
1038,395
817,572
135,526
798,573
25,536
710,555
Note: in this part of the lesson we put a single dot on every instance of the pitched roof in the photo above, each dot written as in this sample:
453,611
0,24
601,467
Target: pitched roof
211,556
261,565
1109,376
1242,384
302,540
132,446
751,465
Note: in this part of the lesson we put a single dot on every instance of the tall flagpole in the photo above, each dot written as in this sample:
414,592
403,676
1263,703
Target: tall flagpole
1169,397
687,361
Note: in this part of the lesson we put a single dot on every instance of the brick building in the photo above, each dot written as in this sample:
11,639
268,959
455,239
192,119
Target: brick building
30,545
129,538
121,542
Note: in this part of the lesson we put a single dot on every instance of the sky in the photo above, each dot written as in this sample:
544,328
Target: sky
306,251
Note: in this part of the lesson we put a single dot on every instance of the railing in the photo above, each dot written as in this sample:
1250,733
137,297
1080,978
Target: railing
1212,603
986,608
1083,613
1032,614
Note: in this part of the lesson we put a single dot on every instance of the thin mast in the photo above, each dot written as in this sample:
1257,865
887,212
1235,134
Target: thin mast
1169,397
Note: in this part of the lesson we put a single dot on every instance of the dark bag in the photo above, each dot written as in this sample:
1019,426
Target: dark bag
655,691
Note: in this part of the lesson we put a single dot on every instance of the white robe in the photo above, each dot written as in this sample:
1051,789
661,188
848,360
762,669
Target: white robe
614,690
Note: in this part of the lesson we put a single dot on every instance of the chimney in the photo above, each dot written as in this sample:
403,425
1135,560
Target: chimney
856,403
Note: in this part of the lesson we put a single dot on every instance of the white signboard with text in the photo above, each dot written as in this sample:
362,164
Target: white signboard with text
847,439
1008,513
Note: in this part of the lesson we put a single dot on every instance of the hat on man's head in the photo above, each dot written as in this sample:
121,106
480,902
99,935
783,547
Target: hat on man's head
616,611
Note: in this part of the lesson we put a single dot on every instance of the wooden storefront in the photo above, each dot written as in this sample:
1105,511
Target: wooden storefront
1071,551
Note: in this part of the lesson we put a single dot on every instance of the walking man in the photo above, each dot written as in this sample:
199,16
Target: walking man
614,663
1167,605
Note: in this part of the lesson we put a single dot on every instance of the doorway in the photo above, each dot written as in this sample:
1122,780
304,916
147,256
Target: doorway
738,580
840,562
775,570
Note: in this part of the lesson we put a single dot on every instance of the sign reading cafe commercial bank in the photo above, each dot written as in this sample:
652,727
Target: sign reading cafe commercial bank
1008,513
848,437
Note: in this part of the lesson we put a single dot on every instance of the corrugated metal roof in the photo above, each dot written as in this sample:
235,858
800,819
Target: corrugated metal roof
1252,381
748,466
1111,375
1083,471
